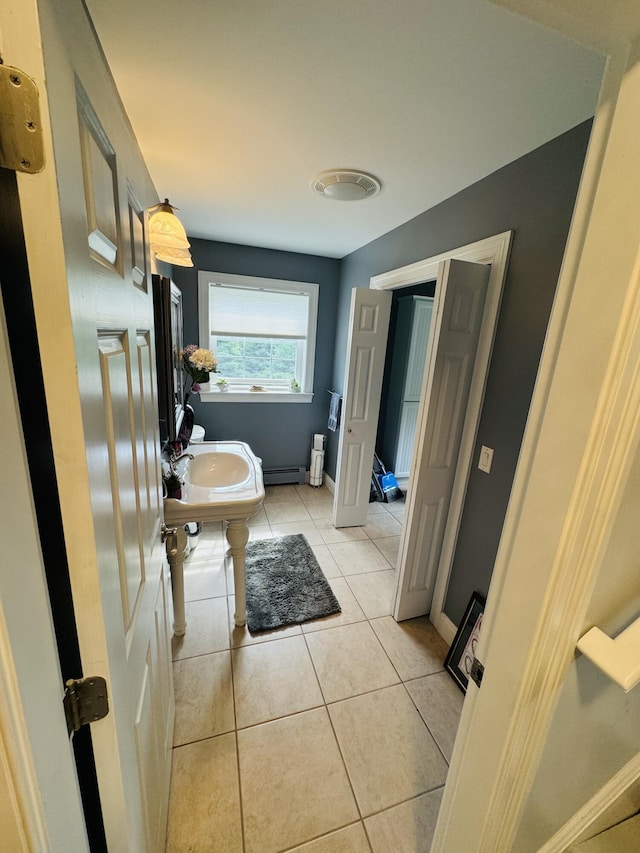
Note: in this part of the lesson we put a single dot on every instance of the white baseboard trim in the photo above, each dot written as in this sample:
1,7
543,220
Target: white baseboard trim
329,483
444,626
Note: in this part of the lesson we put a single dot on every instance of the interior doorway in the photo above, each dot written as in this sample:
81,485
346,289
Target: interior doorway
409,332
361,404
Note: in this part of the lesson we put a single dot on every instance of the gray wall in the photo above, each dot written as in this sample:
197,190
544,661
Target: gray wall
279,433
534,197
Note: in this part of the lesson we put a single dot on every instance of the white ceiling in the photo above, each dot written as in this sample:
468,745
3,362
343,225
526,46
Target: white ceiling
236,104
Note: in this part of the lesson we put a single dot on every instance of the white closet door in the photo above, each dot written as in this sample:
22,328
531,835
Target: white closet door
368,329
460,293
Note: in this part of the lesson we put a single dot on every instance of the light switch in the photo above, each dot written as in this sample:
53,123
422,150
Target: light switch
486,458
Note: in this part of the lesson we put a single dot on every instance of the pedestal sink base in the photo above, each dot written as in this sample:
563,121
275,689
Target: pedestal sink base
237,537
176,545
224,484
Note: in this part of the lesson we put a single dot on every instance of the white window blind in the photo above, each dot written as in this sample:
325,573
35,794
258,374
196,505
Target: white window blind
248,312
263,332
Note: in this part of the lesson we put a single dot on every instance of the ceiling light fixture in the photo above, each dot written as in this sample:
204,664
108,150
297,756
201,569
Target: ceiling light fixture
345,185
167,237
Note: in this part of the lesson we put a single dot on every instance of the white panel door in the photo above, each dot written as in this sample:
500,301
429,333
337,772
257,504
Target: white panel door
366,349
94,313
461,291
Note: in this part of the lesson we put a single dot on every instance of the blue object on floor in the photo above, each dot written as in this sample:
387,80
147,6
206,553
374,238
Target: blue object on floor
388,481
385,485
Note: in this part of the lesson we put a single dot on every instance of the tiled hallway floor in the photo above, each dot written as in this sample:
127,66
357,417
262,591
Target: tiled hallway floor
330,737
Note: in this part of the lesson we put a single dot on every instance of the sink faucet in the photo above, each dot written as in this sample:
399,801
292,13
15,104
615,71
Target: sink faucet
173,460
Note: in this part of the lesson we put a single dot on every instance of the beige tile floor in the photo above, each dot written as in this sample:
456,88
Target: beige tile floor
330,737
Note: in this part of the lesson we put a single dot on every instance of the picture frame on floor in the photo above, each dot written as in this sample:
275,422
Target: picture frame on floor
461,654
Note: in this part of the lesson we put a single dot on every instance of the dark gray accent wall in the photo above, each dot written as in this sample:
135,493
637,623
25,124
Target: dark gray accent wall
280,433
533,196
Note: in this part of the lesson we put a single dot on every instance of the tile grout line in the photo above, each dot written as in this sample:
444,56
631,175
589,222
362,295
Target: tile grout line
426,725
404,684
404,802
230,624
235,732
335,734
326,835
337,741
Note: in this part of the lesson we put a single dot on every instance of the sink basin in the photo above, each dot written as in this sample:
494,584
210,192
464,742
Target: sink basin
222,482
218,470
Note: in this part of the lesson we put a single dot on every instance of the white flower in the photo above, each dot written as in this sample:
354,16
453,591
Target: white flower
203,359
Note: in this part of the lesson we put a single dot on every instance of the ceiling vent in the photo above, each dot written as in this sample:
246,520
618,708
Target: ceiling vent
345,185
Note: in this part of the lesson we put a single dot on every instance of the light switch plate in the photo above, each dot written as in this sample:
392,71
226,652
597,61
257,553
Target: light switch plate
486,458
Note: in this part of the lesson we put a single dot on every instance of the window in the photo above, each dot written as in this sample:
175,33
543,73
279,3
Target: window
262,331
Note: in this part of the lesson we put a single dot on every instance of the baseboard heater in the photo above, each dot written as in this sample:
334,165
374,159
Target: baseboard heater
280,476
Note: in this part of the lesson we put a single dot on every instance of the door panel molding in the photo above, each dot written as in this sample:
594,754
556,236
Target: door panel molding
442,445
100,185
361,401
116,388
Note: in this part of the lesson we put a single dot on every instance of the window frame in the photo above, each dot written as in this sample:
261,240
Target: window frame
277,393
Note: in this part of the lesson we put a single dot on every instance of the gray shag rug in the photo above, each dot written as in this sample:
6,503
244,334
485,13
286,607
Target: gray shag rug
285,584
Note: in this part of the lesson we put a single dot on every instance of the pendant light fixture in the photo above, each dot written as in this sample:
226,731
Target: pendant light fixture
167,237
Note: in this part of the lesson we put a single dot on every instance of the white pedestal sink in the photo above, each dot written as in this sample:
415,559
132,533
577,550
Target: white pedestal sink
223,482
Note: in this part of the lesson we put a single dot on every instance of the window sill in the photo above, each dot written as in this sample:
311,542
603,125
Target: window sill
237,396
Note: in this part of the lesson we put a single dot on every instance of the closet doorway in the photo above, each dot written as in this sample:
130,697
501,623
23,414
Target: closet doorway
409,331
431,521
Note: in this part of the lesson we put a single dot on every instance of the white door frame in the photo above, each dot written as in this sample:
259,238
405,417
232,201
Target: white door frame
494,251
576,454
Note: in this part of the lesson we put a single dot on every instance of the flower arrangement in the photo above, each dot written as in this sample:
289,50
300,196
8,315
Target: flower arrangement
294,385
222,384
198,363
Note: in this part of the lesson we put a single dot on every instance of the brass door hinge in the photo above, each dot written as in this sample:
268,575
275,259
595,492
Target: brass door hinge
21,140
85,701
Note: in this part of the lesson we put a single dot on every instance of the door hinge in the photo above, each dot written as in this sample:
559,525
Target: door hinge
85,701
477,671
21,138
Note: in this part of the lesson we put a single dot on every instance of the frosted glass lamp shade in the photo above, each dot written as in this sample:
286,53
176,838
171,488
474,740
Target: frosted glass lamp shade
177,257
165,229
